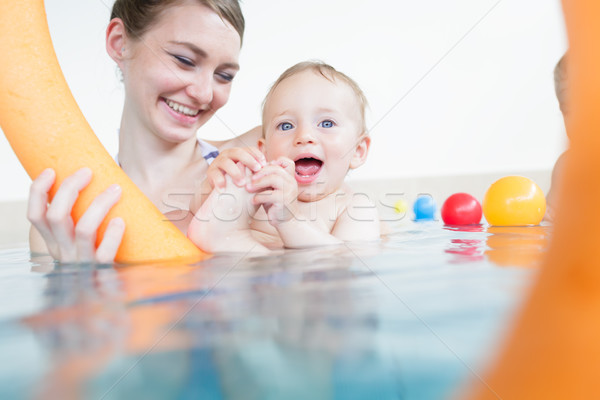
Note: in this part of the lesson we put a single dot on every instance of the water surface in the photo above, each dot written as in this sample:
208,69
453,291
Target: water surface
411,317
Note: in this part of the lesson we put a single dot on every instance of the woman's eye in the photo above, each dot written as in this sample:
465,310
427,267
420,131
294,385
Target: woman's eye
225,76
285,126
184,60
326,124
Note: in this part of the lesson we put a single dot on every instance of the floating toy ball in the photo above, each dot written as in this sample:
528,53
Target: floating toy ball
424,208
400,207
461,209
514,201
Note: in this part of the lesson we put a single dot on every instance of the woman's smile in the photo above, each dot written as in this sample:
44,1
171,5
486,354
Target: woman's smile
182,109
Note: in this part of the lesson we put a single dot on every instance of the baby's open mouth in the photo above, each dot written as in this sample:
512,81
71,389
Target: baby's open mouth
307,167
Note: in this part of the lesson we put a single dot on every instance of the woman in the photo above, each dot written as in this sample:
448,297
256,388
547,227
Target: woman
178,59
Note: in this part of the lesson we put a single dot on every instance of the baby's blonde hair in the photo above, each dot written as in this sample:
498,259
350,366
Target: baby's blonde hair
560,73
561,83
329,73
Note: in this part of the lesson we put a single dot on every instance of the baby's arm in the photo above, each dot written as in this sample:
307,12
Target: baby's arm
278,194
299,233
358,222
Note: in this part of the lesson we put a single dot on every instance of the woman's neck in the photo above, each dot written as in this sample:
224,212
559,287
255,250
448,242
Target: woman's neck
151,162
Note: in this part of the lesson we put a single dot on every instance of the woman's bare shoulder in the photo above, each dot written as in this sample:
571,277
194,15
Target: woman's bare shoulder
248,139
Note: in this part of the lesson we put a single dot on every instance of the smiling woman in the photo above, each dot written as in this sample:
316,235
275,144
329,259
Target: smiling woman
175,79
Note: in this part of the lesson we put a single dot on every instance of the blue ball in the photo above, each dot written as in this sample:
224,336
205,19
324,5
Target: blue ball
424,208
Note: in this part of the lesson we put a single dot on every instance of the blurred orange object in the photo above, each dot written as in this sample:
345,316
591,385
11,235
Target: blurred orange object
46,129
553,351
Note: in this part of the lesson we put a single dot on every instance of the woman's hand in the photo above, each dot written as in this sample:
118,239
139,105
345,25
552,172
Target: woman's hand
66,241
225,164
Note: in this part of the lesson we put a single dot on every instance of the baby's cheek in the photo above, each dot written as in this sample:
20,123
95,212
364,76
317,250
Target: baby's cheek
274,150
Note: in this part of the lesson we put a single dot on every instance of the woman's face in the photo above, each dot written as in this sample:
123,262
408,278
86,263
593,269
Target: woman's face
179,72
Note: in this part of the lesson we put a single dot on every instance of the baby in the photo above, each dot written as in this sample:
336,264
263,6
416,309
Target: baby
560,86
314,132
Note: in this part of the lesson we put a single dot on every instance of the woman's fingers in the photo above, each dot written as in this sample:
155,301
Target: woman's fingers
251,157
258,156
59,213
107,250
66,242
87,226
37,207
216,178
225,166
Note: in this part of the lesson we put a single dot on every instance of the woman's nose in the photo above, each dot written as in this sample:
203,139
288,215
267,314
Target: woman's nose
201,90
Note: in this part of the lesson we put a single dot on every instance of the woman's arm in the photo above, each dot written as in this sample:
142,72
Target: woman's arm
248,139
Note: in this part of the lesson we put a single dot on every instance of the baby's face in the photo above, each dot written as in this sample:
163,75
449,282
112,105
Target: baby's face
561,94
317,124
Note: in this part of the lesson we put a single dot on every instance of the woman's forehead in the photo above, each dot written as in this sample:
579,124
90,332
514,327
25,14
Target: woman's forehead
192,22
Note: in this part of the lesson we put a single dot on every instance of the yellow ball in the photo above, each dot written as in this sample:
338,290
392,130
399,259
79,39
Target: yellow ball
401,206
514,201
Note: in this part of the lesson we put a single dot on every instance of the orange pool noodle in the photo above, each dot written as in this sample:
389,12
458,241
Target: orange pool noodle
553,352
45,128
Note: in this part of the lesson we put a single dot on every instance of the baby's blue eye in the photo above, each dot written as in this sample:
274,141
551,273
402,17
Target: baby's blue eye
285,126
326,124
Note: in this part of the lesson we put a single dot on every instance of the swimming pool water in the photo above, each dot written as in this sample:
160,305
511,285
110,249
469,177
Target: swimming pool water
414,316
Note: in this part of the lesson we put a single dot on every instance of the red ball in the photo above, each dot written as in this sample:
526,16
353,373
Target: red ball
461,209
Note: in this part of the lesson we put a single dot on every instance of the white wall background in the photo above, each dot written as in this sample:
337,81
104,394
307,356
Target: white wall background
455,87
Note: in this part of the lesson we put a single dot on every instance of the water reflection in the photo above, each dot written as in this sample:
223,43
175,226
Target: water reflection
408,318
517,246
287,326
504,246
466,249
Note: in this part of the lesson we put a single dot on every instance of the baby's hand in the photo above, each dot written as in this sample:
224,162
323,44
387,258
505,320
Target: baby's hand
277,190
225,164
